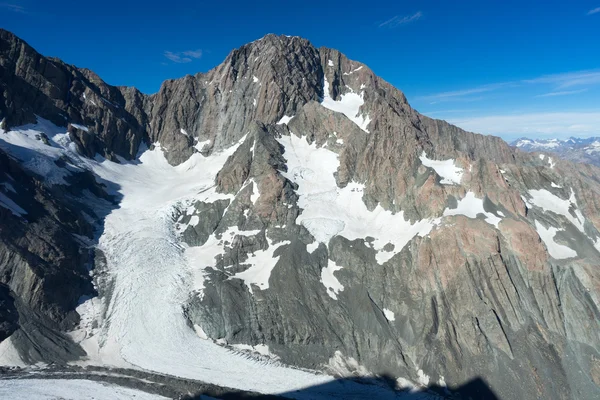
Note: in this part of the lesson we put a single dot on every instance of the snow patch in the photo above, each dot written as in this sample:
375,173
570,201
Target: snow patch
23,143
389,314
13,207
90,100
200,332
255,192
254,79
284,120
422,378
202,257
183,132
312,247
194,220
593,147
330,63
556,250
542,144
9,356
200,145
550,202
262,263
550,161
446,169
328,279
349,105
470,206
80,127
523,142
346,366
261,349
442,381
353,71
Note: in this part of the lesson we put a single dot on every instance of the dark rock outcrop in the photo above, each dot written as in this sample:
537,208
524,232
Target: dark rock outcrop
44,257
32,84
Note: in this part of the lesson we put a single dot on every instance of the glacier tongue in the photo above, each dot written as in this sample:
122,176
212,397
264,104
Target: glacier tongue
151,278
139,320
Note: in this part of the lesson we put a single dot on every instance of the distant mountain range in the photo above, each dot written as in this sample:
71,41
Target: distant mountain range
573,149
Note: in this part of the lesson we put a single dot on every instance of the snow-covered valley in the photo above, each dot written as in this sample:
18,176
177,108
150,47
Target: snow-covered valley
151,279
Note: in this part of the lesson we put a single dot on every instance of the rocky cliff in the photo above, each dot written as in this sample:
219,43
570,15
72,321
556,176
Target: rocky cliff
345,231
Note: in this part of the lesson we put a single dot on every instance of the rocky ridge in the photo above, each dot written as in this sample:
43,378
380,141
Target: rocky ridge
484,287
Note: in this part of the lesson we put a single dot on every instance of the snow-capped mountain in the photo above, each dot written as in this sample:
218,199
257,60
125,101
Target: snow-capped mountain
585,150
280,220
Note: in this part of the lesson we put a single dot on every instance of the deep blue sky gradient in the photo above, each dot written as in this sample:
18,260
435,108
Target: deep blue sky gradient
477,63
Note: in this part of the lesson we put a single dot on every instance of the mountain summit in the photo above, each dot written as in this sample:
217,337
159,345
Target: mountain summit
287,208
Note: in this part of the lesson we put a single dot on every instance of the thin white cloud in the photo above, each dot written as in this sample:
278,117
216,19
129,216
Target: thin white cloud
569,79
193,53
183,56
562,93
13,7
453,111
462,94
548,124
401,20
594,11
560,82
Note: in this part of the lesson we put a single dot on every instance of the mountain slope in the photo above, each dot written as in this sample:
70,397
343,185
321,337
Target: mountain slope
293,203
572,149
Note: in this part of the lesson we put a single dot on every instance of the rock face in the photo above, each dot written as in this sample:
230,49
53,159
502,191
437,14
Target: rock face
45,256
32,84
394,240
573,149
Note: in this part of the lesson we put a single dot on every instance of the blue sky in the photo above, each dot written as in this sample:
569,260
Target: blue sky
509,68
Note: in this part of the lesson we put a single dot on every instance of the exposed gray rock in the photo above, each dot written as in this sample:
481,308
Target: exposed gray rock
208,216
43,261
8,313
32,84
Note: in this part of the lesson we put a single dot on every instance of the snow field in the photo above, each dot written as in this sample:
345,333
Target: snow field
349,104
69,389
447,169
